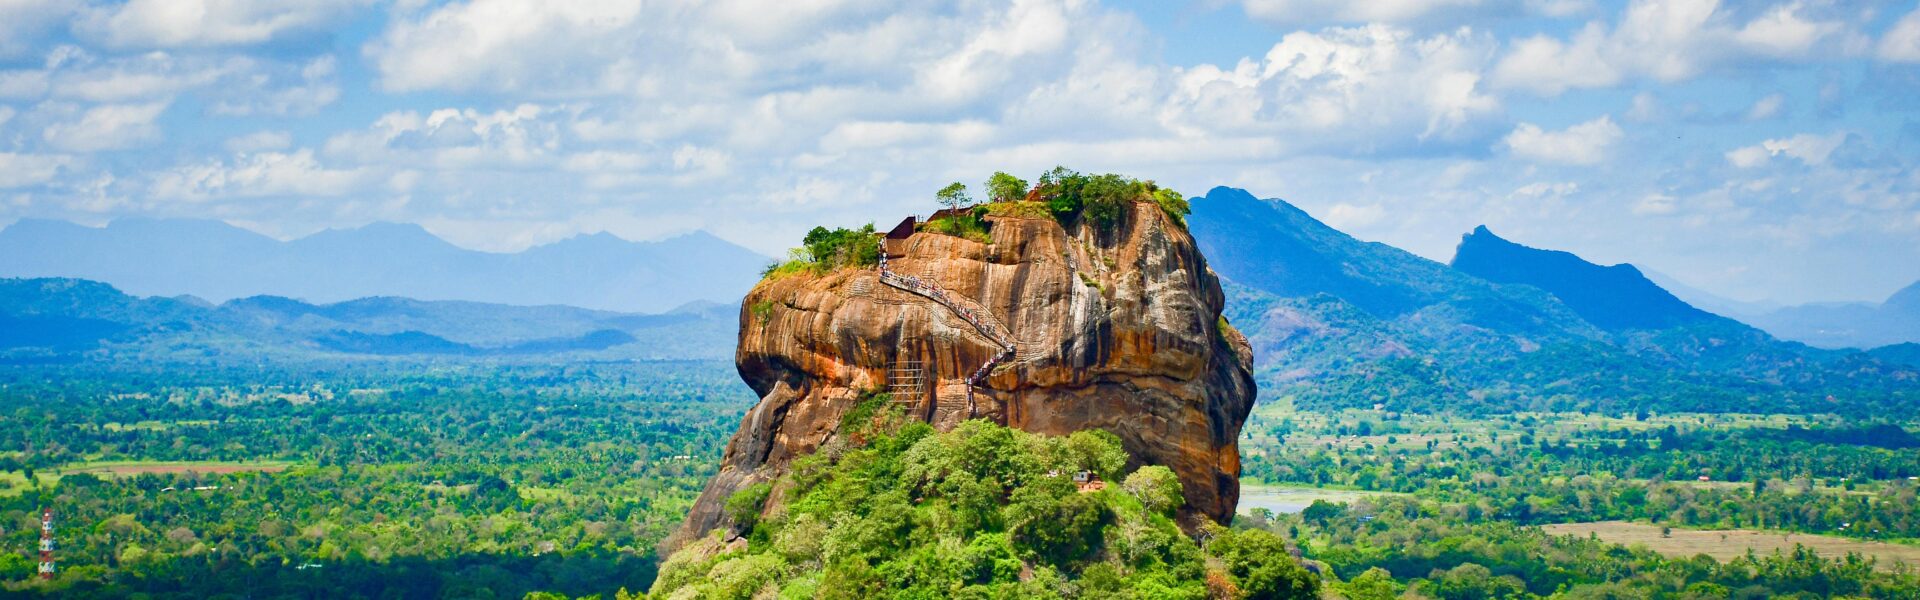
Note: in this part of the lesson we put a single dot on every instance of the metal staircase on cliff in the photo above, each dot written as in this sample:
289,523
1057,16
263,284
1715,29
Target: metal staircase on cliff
919,287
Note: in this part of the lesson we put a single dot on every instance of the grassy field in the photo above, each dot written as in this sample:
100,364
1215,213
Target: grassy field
136,467
1726,544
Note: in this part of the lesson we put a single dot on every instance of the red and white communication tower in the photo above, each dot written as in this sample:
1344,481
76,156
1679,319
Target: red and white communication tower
46,544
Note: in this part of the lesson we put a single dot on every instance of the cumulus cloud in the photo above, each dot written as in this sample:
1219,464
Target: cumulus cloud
22,170
1810,149
1901,43
1297,12
200,23
1664,40
255,175
259,141
107,127
1376,82
25,23
1766,108
1583,144
510,45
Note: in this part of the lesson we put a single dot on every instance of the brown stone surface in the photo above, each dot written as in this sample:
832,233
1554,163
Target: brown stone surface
1115,330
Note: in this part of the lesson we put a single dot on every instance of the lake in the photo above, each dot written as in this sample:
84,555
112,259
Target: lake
1291,499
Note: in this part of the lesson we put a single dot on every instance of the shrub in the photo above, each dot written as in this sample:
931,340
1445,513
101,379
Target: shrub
824,250
744,506
1172,203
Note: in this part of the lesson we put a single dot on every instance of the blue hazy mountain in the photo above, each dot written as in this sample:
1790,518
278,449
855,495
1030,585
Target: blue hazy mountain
219,262
1614,298
1336,321
1848,325
61,317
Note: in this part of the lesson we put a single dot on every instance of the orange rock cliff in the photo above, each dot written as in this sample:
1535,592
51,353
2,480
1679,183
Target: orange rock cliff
1114,328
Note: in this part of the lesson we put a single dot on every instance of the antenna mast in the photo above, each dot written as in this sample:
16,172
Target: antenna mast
46,543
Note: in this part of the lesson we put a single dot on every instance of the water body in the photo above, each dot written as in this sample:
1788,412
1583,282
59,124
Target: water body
1288,499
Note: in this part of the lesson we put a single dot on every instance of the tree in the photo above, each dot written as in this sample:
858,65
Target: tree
1260,565
954,195
1002,187
1156,487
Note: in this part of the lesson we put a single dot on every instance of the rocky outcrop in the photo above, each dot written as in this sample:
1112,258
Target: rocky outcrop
1115,328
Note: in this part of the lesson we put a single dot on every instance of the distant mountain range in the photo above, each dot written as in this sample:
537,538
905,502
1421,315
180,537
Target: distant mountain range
64,320
1825,324
219,262
1337,321
1334,321
1847,325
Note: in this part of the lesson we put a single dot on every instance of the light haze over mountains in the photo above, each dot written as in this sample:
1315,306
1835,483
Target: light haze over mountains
216,261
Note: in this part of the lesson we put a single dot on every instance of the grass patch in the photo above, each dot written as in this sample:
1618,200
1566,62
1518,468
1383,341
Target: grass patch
1018,210
762,311
121,468
1727,544
1225,328
1091,282
968,227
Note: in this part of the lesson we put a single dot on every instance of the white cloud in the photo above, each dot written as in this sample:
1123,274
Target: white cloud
259,141
1808,148
282,90
22,170
525,136
1545,191
1901,43
25,23
254,175
1766,108
1350,216
107,127
146,76
511,45
1298,12
200,23
1645,108
1655,204
1583,144
1372,84
1664,40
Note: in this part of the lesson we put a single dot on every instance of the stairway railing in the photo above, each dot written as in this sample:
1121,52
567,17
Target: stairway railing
916,286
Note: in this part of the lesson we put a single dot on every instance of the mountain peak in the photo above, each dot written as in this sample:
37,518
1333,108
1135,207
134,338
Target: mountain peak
1613,297
1906,300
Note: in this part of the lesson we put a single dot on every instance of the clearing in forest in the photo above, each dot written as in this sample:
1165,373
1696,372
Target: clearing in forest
1726,544
136,467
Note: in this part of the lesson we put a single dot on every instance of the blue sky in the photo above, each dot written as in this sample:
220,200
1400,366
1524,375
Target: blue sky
1758,150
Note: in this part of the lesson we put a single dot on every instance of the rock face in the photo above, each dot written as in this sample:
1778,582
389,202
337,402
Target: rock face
1115,329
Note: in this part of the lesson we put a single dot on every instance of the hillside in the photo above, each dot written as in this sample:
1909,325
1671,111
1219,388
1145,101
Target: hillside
219,262
73,319
1614,298
1335,321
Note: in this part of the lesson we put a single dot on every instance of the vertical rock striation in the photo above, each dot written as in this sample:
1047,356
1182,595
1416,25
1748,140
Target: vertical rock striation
1115,328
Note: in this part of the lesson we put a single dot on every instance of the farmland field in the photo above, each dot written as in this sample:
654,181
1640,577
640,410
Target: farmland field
1730,543
120,468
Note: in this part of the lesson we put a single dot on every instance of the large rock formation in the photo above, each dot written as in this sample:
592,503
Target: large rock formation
1116,328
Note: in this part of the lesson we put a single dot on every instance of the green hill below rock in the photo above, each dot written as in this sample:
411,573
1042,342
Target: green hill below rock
896,509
